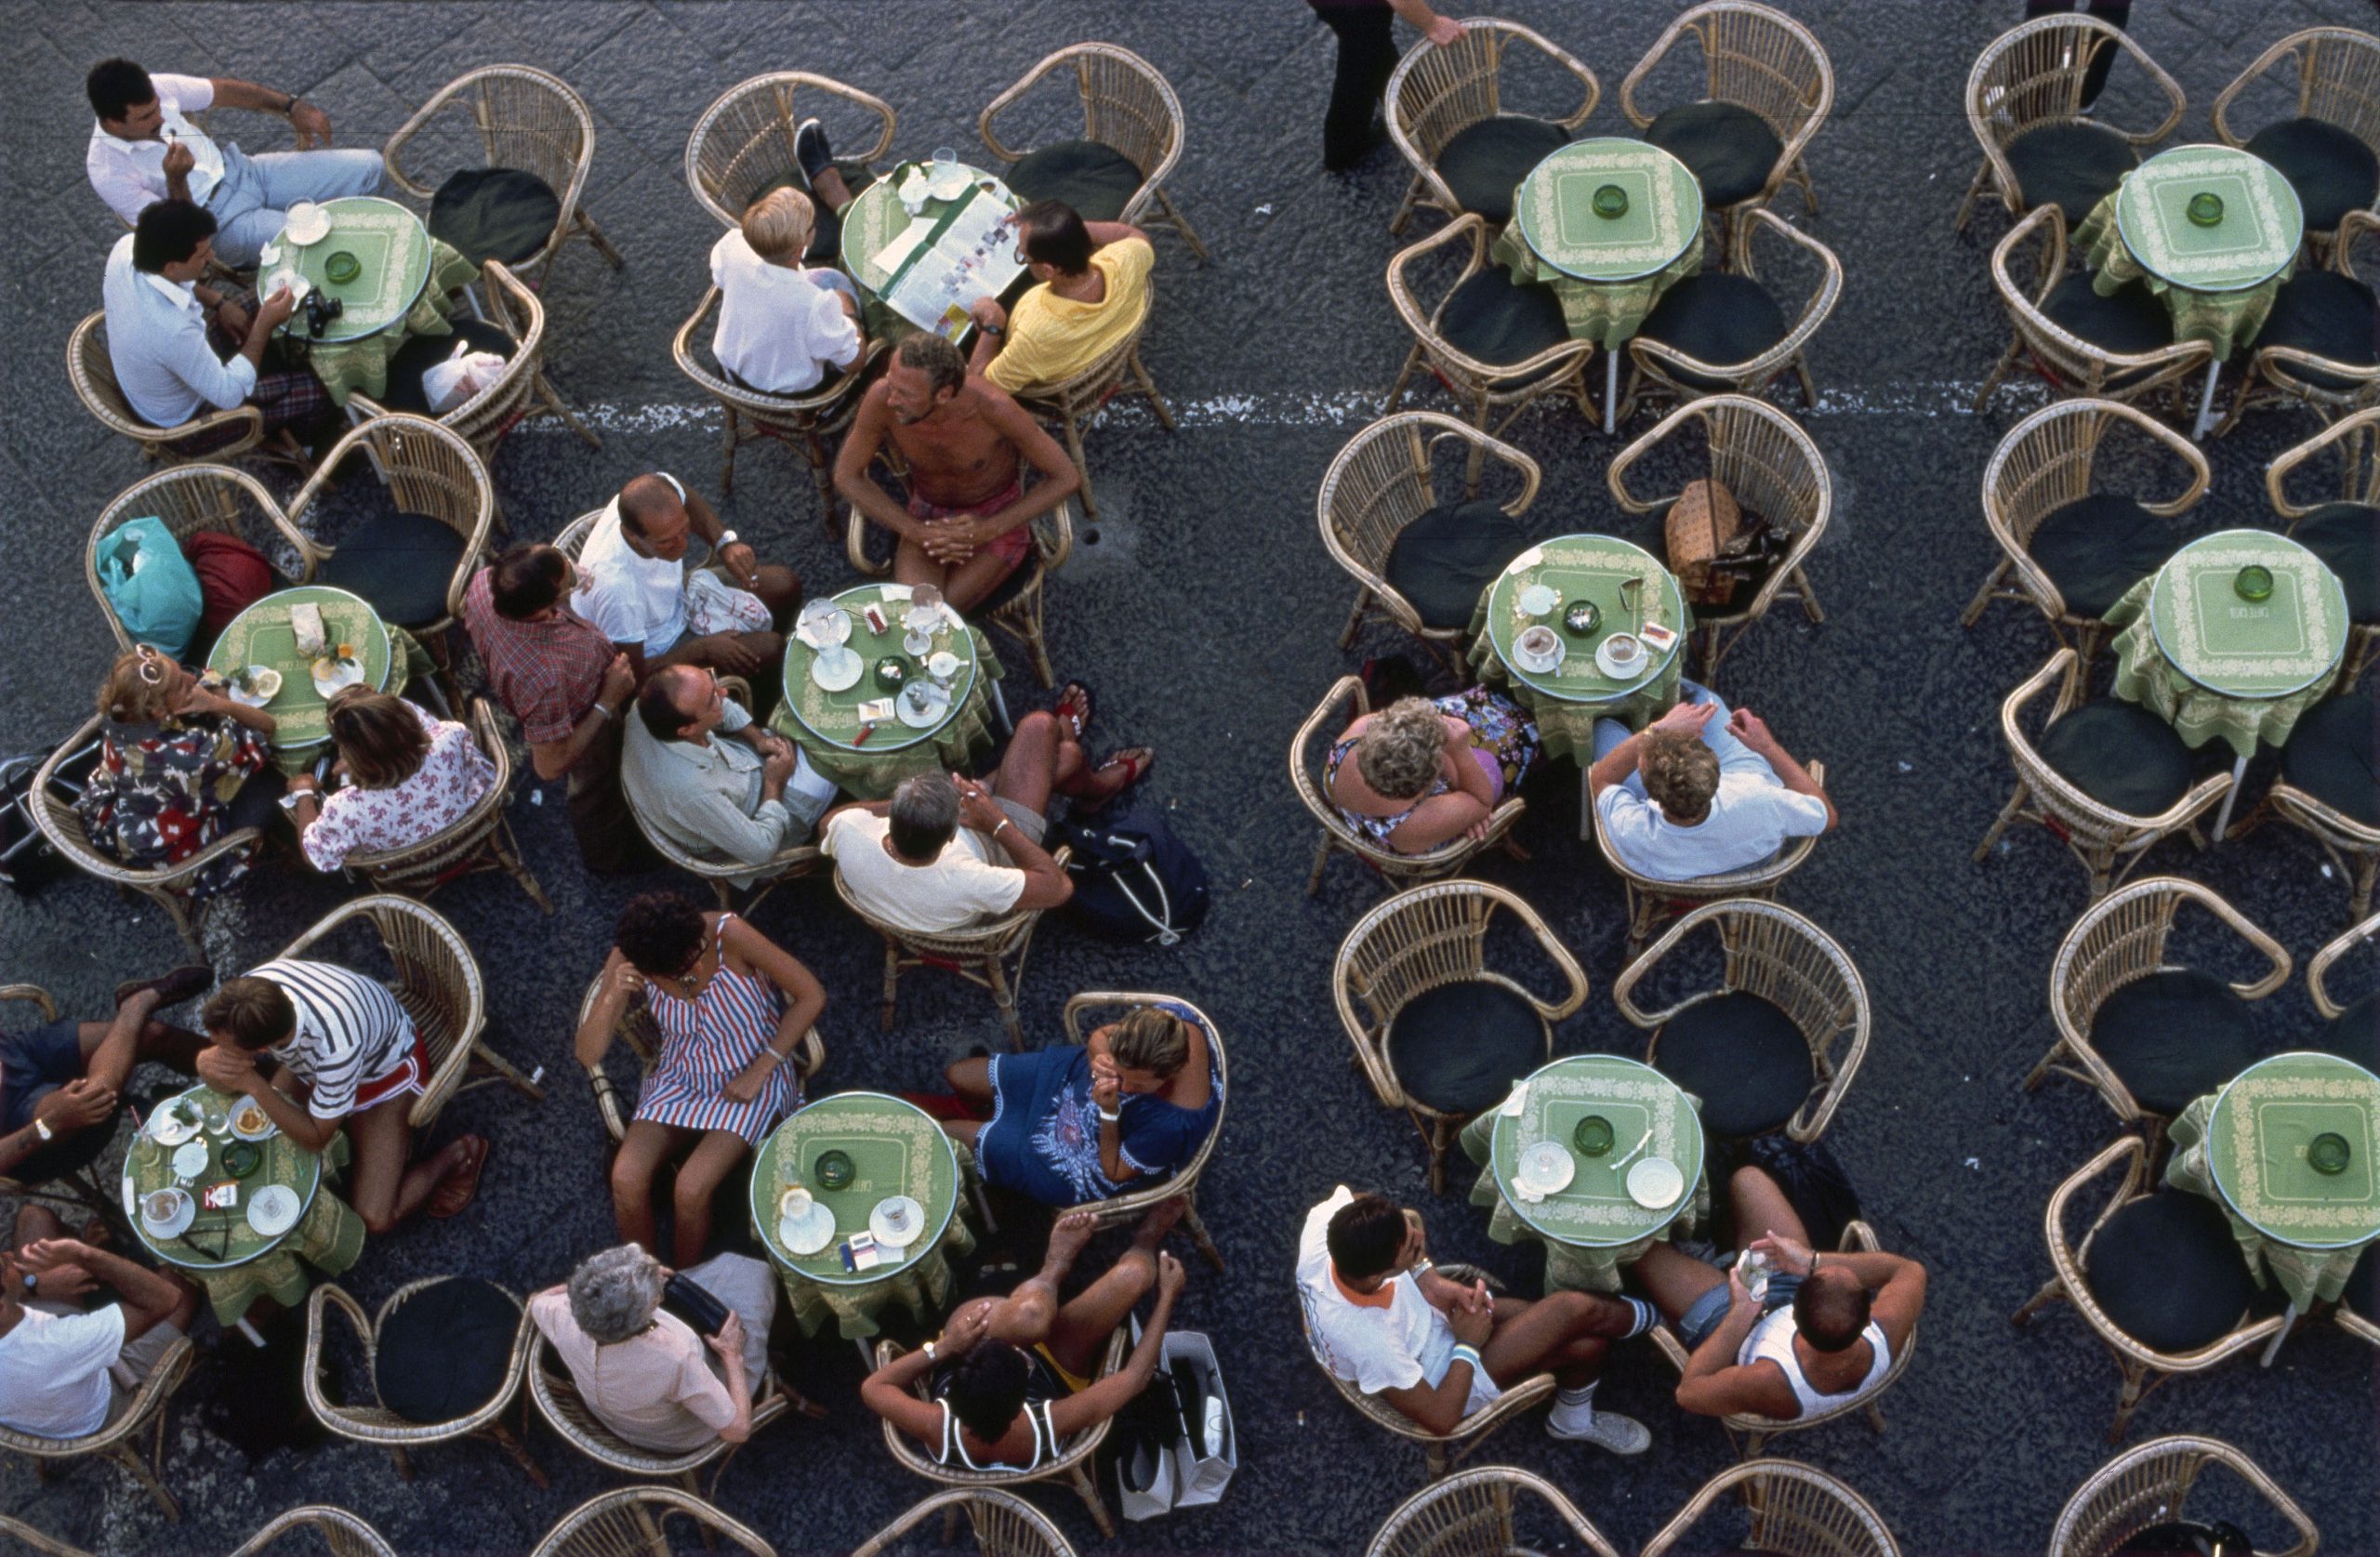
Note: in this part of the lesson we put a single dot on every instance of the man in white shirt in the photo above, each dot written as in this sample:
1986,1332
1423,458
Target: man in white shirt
782,325
65,1373
144,148
1379,1315
1700,791
706,776
634,584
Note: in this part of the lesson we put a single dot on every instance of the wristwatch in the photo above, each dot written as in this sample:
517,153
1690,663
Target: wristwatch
996,331
289,798
726,539
1115,1118
41,1127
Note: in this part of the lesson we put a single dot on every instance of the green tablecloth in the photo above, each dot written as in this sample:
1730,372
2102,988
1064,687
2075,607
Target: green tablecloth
897,1149
223,1254
823,724
2218,281
261,635
2214,665
2245,1146
1567,701
1590,1228
1608,272
874,219
400,292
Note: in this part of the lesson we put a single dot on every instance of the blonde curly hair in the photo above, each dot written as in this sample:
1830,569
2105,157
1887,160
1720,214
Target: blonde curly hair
1681,773
1398,752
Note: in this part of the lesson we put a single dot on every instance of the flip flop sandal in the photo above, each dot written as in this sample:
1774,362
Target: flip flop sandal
1135,769
173,989
459,1191
1078,693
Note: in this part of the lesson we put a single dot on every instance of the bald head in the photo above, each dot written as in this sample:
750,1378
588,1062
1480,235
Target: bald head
1831,1308
653,517
676,703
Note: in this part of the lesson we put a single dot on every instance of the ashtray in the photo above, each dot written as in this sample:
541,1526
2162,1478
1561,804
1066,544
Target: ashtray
1610,201
890,671
834,1171
2204,210
2253,582
2327,1153
1593,1137
1581,617
240,1160
342,267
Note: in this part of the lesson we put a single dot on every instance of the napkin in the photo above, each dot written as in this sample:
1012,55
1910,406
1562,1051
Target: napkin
1525,560
1518,1100
897,592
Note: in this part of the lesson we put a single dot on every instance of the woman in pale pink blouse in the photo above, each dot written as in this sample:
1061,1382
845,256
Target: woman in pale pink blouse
409,776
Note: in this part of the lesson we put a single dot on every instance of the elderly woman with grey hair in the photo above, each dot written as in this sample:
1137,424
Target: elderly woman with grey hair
1427,772
643,1371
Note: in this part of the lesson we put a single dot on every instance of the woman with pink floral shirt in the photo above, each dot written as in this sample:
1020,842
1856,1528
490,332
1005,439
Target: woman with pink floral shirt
410,777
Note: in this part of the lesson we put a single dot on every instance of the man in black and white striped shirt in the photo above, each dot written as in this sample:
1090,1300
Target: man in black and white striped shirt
347,1051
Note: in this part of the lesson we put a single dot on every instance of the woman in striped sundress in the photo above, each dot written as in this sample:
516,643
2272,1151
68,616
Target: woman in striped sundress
732,1006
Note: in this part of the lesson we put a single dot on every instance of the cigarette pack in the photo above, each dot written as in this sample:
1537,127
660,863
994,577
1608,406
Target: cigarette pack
875,710
1659,637
306,621
860,1253
220,1197
876,620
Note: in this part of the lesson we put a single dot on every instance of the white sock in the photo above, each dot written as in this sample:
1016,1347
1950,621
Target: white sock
1580,1399
1645,1316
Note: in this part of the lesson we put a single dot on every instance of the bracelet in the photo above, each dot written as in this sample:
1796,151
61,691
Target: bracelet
1469,1354
1814,1262
1425,1264
1114,1118
601,709
929,1350
1004,822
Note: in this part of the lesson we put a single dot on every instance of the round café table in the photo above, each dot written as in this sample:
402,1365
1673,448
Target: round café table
2247,1147
1591,1227
2218,279
866,751
895,1148
230,1258
1607,270
261,635
390,299
875,216
1567,701
2216,666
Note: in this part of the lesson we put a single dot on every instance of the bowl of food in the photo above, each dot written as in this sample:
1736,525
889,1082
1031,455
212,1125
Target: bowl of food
342,267
2204,210
341,667
835,1170
255,685
1611,201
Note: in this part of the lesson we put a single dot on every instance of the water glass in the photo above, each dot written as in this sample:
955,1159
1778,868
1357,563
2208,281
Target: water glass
1752,1269
946,162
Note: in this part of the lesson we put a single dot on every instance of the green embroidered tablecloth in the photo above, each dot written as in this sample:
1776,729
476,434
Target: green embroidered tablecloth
1608,272
874,219
400,291
2246,1146
2219,281
823,723
895,1148
1567,701
2213,665
261,635
1591,1227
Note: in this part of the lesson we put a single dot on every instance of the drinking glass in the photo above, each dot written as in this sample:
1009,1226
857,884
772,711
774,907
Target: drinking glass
946,162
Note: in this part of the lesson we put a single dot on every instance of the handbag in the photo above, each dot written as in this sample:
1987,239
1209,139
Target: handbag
1133,880
150,585
1701,527
694,1303
26,862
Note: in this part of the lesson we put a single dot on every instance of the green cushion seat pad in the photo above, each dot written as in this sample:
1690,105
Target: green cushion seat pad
2120,754
2167,1270
420,353
2175,1037
2071,165
1442,560
1459,1048
2328,315
1742,1056
2126,324
2362,1294
494,213
2354,1034
1496,320
444,1354
401,564
2097,547
1718,319
1096,179
2332,171
2342,535
1485,162
1731,150
2328,756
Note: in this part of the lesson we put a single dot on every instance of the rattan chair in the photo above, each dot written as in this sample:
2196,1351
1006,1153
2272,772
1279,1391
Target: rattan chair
1441,1452
2032,75
804,421
2318,971
2278,373
340,1533
1340,706
1471,1514
1418,941
430,470
521,390
1014,607
2070,364
1070,405
636,1028
635,1522
191,498
797,859
2041,466
92,372
48,1546
2357,438
1004,1526
2352,846
2118,940
1128,106
2148,1485
2338,84
1760,60
375,1423
1771,468
567,1413
1795,1508
991,956
523,118
479,840
1481,388
1092,1008
143,1417
79,1192
1435,93
2144,1367
1659,370
742,147
1072,1464
1383,481
1652,901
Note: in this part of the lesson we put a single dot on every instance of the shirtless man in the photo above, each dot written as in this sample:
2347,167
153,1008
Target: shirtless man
968,522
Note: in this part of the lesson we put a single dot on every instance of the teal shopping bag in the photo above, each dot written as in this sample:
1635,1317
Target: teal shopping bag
150,585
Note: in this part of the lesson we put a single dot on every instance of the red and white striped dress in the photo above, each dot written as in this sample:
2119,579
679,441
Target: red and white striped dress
705,1042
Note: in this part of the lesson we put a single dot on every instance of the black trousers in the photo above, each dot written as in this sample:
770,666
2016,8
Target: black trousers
2115,13
1366,56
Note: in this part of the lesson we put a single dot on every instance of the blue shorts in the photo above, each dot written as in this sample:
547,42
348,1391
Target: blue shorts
33,1065
1706,1314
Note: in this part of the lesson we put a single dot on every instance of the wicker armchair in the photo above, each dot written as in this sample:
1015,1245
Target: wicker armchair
2071,364
1442,1453
1127,107
525,119
2357,438
1087,1011
2032,75
1078,400
567,1413
1652,901
2118,940
991,956
2276,373
92,372
2318,971
1795,1508
192,498
1758,59
80,1192
799,859
1072,1464
803,421
430,470
742,147
521,390
2099,833
1004,1526
637,1029
438,983
2353,846
1772,468
1658,369
143,1417
1340,706
339,1532
2144,1367
1560,369
375,1423
479,840
635,1522
1015,606
1470,1514
2339,82
1383,481
1418,941
2148,1486
1435,93
2043,464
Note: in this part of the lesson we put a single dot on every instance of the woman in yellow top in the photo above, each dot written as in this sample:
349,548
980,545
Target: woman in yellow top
1093,293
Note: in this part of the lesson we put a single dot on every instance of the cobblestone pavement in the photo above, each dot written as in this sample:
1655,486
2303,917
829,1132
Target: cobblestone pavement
1206,611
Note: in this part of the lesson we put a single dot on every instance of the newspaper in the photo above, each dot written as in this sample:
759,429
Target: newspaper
942,262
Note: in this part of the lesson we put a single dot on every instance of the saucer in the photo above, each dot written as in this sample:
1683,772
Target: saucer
1617,671
307,224
837,669
342,673
264,678
170,1127
273,1210
933,714
909,1228
1656,1183
1543,1168
185,1212
250,1122
1546,665
190,1159
807,1235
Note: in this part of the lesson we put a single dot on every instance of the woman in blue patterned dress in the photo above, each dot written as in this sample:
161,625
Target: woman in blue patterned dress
732,1006
1428,772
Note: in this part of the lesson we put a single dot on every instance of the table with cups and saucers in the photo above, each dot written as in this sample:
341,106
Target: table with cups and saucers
1593,1199
831,661
2291,1149
390,278
2213,231
878,214
1608,257
279,1214
864,1162
1582,682
261,637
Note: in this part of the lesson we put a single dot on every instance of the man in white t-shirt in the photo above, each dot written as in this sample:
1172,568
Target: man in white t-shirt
783,326
633,583
1700,791
65,1373
1379,1315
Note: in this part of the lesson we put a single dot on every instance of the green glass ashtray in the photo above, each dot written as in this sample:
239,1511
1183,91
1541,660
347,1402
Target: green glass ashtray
1581,617
240,1160
342,267
2253,582
834,1171
1593,1137
2204,210
890,671
2327,1153
1610,201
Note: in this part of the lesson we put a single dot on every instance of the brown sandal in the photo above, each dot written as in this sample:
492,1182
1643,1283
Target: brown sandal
461,1187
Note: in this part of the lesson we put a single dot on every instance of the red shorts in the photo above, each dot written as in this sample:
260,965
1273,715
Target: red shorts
409,1079
1011,548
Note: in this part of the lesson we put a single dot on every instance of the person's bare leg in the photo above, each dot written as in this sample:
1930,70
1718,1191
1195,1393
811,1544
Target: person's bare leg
973,580
35,1223
1568,1333
1031,762
971,1078
778,586
1761,1208
829,187
386,1192
698,1178
1024,1316
1673,1279
633,1169
962,1130
912,566
1079,1334
1094,786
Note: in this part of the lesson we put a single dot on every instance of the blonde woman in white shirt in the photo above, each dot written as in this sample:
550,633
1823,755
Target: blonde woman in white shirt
782,324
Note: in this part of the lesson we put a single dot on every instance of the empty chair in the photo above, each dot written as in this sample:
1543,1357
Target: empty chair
1767,87
325,1526
1131,138
1726,331
1002,1524
1793,1509
2340,532
1498,344
412,560
742,147
2316,346
190,500
2148,1486
1340,706
646,1521
2025,103
2330,149
2327,788
2350,1029
2120,347
534,139
454,1368
1472,1514
1447,116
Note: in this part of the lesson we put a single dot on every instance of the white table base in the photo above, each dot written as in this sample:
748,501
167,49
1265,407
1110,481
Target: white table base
1610,388
2223,817
2205,403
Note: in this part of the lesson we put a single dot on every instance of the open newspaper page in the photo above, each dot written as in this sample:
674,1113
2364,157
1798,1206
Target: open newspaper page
942,263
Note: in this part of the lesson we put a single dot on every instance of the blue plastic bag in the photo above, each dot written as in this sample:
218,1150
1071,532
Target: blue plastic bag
150,585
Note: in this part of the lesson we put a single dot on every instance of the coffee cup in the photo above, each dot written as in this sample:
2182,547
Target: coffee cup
795,1203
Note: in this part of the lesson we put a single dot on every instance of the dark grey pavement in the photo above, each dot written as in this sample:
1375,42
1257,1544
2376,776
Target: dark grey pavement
1207,613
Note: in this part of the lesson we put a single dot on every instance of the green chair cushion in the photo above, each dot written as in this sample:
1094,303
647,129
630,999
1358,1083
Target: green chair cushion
2328,756
494,213
2120,754
1730,149
2174,1036
1459,1048
2097,547
420,353
2362,1294
1097,180
2341,534
445,1351
399,562
1493,318
1485,162
1442,560
2328,315
1743,1057
2332,171
2124,325
2071,165
2166,1269
1718,319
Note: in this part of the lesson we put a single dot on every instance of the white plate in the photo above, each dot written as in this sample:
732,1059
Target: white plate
808,1234
265,1129
343,673
935,711
190,1159
1544,1169
175,1225
1538,599
273,1210
167,1127
837,669
266,677
285,277
1617,672
308,224
1656,1183
909,1229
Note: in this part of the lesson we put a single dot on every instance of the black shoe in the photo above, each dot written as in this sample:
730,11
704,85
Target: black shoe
811,151
181,984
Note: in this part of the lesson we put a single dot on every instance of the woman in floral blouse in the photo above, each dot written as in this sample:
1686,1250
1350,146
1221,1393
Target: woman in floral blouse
179,766
410,777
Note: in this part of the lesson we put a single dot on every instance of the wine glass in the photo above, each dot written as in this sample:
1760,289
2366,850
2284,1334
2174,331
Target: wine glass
927,597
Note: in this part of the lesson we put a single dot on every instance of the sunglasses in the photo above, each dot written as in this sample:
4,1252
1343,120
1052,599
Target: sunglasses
155,667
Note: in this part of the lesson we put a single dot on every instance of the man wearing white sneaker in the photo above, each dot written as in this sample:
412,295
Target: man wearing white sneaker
1380,1316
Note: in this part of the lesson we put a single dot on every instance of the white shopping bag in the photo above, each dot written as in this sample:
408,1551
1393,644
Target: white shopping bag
1145,1482
1207,1450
